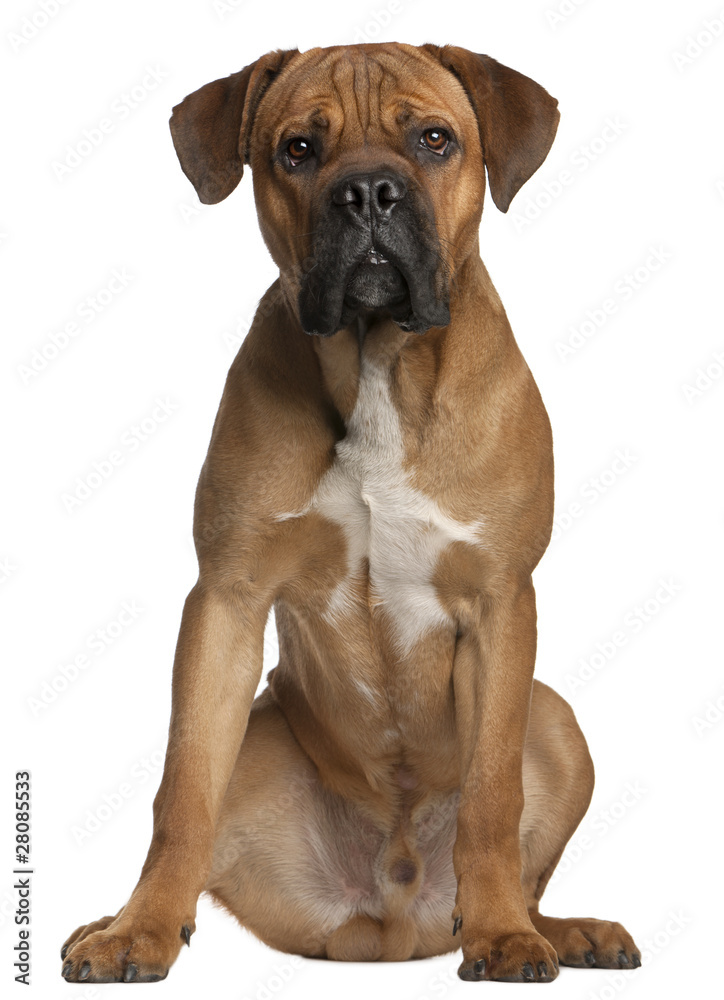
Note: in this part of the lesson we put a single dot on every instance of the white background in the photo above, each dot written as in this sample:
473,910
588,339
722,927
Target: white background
650,845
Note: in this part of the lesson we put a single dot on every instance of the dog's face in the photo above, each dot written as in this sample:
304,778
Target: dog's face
368,168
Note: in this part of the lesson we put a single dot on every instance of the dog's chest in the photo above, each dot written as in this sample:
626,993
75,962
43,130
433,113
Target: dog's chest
392,529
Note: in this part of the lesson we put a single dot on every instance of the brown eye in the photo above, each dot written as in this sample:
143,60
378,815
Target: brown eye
298,150
435,139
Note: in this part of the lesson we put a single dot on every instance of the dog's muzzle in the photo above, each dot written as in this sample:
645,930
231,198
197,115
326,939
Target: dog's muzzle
376,256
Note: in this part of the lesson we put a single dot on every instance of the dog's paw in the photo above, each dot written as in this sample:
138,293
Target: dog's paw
83,931
114,950
511,958
585,943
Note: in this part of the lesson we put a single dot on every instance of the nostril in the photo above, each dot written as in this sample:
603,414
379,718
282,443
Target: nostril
348,194
385,194
369,192
388,192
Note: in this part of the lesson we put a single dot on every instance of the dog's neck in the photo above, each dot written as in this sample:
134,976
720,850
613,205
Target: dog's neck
444,359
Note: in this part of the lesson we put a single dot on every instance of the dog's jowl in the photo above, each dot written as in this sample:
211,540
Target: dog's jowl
380,474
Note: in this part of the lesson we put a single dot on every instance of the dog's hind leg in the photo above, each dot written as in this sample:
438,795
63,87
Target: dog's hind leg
558,784
293,862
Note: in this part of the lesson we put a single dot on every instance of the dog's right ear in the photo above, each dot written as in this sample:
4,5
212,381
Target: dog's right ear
211,128
517,118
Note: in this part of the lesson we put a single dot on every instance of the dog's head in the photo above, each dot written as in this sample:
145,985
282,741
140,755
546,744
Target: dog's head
367,163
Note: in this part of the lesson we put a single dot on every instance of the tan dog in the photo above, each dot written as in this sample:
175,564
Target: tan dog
402,778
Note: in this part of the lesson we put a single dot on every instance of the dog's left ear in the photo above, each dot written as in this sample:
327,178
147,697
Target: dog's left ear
211,128
517,118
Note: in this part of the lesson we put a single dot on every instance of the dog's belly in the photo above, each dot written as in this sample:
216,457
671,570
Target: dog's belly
367,869
394,533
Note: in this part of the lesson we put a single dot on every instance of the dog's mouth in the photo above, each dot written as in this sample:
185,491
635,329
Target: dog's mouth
375,257
372,278
377,284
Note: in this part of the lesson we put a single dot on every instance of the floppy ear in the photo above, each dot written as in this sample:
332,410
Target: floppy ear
211,128
517,118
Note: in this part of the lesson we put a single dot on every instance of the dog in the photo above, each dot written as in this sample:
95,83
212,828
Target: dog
380,474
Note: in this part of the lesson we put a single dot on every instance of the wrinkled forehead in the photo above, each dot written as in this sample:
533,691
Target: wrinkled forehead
352,91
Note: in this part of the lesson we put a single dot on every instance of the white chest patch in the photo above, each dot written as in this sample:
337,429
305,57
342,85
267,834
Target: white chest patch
399,530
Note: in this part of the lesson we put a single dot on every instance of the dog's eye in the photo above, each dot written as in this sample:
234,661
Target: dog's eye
435,139
298,149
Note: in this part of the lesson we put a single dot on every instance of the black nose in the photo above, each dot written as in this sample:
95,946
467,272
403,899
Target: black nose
369,195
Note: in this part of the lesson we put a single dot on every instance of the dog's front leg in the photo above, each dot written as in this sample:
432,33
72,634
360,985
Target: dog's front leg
216,671
493,677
